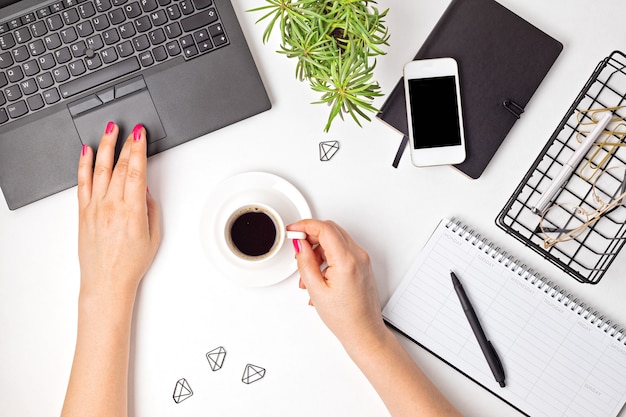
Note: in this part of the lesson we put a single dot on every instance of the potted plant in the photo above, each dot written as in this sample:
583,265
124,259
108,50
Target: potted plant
335,43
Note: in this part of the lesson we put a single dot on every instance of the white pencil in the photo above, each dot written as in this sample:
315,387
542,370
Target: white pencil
570,165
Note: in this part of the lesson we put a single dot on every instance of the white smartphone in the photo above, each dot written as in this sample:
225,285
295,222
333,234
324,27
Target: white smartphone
433,105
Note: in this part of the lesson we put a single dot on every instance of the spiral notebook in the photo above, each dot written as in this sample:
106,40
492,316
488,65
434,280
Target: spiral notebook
560,356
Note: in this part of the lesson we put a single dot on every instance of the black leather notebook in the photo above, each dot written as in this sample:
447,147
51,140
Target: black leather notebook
502,60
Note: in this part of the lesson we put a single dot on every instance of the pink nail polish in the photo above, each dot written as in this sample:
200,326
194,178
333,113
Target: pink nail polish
296,245
137,133
83,151
109,128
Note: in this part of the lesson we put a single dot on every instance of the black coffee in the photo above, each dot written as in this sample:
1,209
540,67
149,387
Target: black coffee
253,233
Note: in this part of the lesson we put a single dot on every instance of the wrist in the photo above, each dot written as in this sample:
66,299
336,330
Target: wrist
95,283
367,344
103,297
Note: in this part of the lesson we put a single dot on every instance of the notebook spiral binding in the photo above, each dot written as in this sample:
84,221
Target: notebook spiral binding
549,287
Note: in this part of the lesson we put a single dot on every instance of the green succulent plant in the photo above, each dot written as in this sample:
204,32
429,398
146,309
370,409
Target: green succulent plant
335,43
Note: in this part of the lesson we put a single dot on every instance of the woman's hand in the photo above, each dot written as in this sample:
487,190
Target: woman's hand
118,236
344,294
119,230
344,290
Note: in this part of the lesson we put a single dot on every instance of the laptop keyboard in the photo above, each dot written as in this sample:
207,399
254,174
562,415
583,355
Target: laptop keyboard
59,51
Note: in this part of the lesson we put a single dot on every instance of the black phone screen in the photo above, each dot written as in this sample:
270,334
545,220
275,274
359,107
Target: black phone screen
434,112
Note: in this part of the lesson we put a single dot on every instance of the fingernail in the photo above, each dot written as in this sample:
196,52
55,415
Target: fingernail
137,133
83,151
296,245
109,128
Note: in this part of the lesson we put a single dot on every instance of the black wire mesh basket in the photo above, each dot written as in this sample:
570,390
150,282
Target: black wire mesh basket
586,254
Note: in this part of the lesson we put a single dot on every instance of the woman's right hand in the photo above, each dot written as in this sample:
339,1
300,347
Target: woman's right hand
344,293
343,290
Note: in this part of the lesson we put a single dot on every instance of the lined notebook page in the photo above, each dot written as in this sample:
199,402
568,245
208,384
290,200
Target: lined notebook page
560,358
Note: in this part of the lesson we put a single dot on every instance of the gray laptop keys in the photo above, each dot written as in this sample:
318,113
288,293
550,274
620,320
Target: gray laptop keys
182,68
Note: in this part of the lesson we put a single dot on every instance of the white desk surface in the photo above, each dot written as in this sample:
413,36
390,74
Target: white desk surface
185,309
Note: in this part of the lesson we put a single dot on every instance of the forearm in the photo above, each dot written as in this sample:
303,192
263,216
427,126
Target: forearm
401,384
98,381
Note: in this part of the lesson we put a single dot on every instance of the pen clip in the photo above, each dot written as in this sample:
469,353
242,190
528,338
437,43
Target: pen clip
499,363
495,354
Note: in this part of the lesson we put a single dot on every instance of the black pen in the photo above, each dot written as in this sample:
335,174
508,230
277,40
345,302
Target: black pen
490,353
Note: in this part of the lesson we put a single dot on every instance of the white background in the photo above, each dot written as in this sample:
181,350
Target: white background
185,308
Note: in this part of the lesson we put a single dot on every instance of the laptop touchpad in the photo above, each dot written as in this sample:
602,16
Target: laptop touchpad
126,104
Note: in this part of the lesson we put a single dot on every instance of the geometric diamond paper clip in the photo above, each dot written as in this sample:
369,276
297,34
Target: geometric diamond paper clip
182,391
328,150
252,374
216,358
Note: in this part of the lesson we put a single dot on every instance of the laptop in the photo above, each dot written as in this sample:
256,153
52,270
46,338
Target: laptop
182,68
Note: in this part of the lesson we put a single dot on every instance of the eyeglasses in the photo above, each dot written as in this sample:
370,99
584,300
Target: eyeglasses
604,149
563,221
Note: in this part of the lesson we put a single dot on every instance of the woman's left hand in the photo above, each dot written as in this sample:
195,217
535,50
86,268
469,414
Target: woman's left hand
119,231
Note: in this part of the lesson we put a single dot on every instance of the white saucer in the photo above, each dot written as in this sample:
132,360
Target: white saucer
239,190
